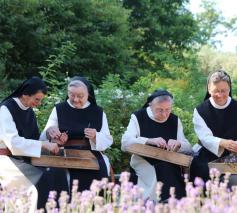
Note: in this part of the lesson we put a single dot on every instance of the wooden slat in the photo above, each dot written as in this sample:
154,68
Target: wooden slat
77,142
160,154
79,153
76,159
224,167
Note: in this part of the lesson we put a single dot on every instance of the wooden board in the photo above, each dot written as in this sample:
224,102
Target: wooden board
224,167
160,154
76,159
79,153
225,164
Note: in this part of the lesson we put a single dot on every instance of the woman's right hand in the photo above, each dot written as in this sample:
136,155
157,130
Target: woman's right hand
229,145
53,132
52,147
159,142
56,136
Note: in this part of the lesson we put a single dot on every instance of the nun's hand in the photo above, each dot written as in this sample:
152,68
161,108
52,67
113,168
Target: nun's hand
52,147
53,132
173,145
229,145
159,142
63,138
90,133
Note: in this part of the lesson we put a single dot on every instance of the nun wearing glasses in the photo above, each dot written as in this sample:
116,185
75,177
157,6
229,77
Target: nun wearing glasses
156,125
19,140
215,124
79,117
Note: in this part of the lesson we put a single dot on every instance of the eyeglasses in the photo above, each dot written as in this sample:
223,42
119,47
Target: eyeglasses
159,110
71,95
222,91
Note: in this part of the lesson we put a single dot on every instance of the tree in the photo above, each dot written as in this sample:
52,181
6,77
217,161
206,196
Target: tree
212,23
31,30
24,35
100,30
166,29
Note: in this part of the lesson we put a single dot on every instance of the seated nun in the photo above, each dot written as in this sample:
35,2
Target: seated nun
155,124
19,139
79,117
215,125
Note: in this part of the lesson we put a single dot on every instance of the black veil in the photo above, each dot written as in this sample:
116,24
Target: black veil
157,93
29,87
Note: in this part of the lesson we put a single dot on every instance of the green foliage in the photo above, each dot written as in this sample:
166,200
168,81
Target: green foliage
165,28
25,37
186,119
56,81
44,110
211,23
118,104
102,37
50,73
211,60
31,30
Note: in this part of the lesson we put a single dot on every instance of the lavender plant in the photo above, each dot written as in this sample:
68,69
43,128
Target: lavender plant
14,200
108,197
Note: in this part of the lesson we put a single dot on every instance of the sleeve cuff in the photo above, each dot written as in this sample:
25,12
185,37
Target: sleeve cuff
220,149
142,140
214,147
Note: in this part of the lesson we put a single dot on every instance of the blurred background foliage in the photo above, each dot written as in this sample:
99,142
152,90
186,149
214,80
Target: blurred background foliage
126,48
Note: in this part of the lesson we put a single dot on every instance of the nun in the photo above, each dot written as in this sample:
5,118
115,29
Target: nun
19,138
215,124
79,117
155,124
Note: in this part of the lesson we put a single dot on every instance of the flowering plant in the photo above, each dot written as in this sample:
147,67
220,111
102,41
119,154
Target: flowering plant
107,197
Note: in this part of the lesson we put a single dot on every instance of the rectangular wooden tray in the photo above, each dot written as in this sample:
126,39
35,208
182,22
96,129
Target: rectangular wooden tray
160,154
223,167
76,159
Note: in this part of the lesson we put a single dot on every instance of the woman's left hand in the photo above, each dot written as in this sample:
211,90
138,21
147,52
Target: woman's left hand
90,133
61,140
173,145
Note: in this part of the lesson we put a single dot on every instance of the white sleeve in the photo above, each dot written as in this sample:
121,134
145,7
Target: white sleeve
205,135
52,121
103,138
132,134
18,145
185,145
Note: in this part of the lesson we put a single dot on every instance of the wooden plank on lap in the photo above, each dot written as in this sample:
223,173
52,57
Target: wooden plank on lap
224,167
160,154
76,159
79,153
225,164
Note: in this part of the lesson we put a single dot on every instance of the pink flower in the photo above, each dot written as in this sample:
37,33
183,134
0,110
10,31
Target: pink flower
199,182
124,177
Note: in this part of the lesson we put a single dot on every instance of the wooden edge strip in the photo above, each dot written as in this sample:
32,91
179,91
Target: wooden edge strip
79,153
160,154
